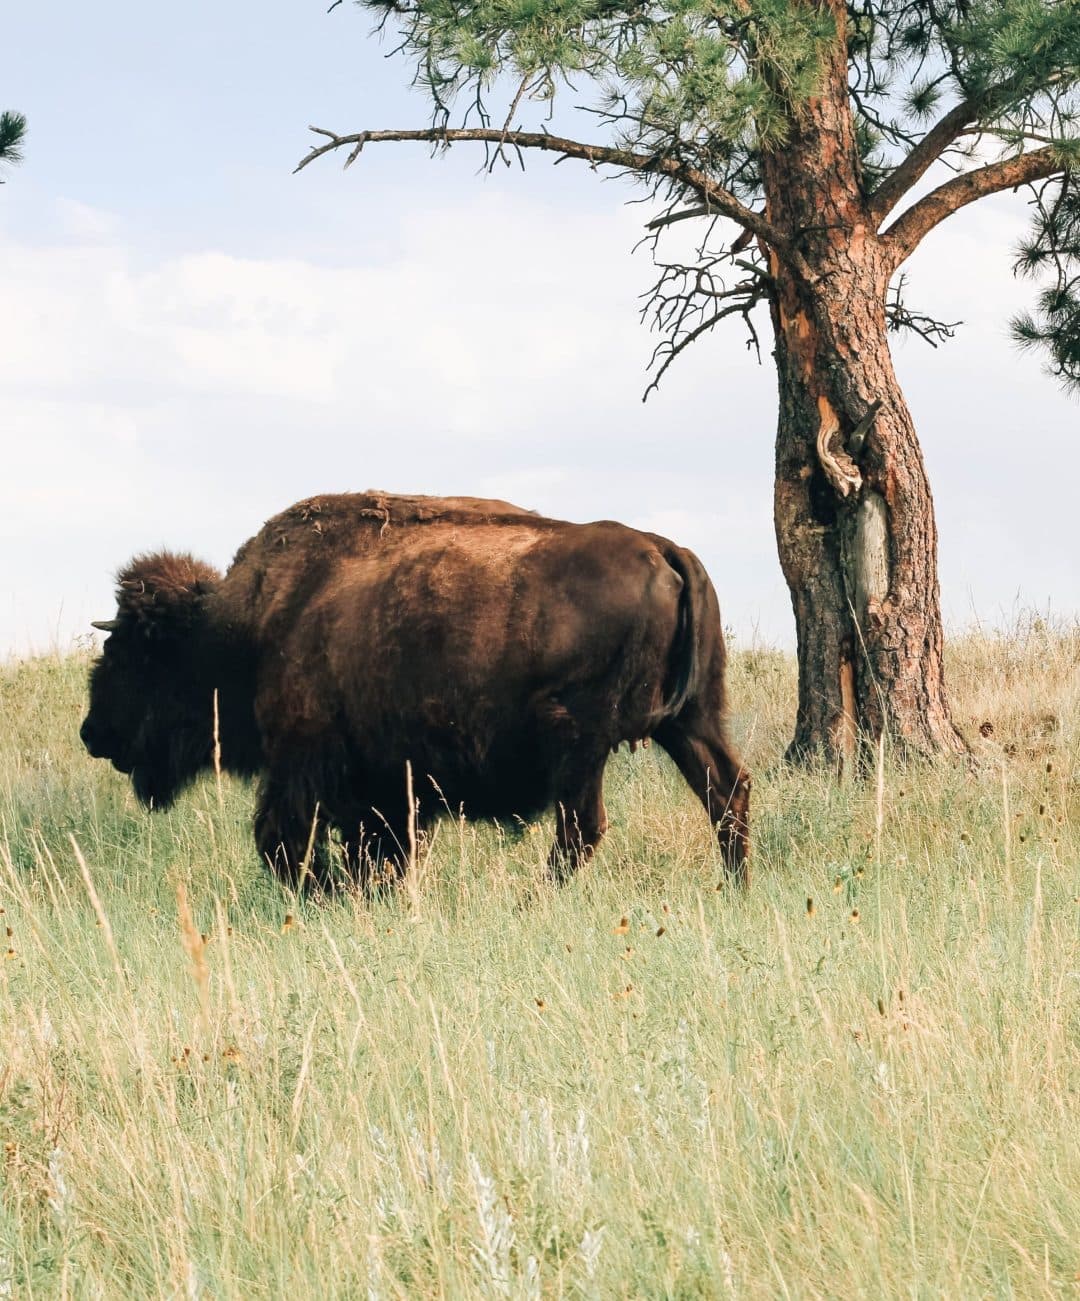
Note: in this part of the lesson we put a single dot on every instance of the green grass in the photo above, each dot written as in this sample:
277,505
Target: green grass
639,1085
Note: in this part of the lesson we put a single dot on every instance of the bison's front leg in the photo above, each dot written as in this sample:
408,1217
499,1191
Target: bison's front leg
376,850
580,817
289,829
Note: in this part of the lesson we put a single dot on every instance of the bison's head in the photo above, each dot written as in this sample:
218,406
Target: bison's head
151,707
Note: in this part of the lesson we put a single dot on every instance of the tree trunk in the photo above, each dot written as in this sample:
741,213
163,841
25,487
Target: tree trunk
854,517
856,535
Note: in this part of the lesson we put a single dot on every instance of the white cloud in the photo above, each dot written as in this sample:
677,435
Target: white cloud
83,223
182,401
182,398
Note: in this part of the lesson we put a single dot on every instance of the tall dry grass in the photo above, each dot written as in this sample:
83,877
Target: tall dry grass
861,1080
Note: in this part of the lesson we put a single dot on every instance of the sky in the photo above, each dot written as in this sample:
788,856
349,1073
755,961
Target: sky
192,337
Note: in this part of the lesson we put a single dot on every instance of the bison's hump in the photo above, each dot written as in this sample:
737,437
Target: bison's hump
341,516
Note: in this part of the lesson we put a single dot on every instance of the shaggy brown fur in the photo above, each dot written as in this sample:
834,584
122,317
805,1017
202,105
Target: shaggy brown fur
501,654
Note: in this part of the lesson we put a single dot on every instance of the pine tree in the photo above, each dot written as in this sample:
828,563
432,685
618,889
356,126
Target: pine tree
809,124
12,134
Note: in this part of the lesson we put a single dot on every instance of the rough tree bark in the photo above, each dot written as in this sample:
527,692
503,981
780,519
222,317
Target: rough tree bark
853,512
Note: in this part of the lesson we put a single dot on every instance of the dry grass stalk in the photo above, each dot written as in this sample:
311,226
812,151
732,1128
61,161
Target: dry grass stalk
99,911
195,948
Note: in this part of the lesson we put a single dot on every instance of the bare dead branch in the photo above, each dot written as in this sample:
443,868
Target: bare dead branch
672,349
900,317
714,196
670,218
506,125
673,312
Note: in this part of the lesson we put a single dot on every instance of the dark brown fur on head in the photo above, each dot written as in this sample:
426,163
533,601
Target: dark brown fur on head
152,689
160,594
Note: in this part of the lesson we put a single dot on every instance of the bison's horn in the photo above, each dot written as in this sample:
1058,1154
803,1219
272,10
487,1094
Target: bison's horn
105,625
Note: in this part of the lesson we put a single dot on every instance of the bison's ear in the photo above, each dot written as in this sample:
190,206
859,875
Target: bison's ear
162,595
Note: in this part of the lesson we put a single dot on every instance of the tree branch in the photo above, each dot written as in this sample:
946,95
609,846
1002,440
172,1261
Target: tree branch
899,316
684,214
714,196
922,156
906,232
669,349
944,133
688,300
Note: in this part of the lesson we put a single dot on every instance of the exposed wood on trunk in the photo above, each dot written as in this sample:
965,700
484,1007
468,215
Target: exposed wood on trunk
840,470
845,730
871,559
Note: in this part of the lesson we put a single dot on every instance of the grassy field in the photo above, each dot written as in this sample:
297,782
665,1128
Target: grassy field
860,1080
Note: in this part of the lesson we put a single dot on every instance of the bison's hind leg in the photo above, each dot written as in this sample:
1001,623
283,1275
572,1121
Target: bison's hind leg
720,780
580,816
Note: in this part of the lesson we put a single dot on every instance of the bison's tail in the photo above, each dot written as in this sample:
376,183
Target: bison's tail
685,661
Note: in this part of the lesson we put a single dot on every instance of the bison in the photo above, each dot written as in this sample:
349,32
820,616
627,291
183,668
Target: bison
362,646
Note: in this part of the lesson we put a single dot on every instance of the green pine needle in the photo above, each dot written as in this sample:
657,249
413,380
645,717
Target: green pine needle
12,134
